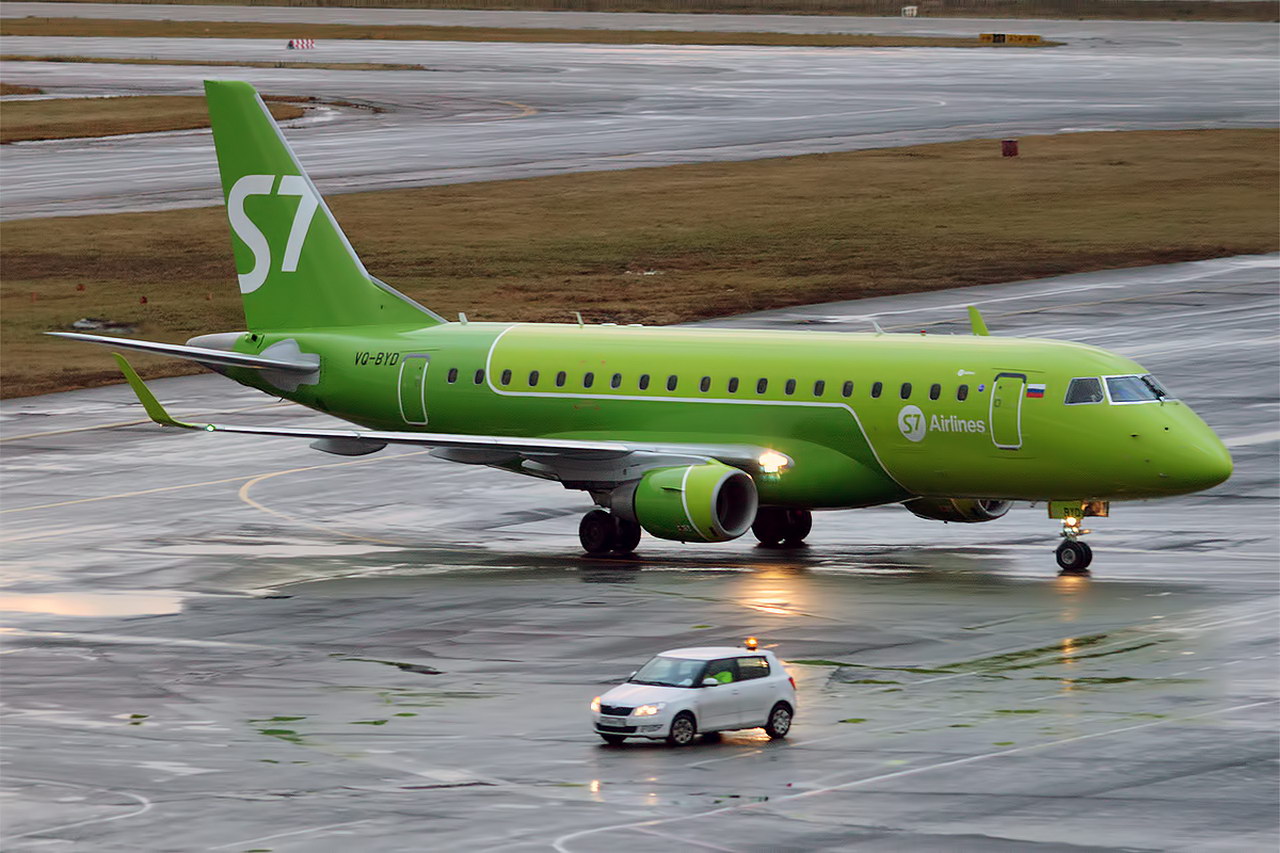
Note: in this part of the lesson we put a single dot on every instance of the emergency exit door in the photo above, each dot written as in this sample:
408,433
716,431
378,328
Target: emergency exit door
413,388
1006,410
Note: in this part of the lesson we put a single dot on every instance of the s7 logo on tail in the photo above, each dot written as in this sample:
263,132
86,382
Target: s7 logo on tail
251,235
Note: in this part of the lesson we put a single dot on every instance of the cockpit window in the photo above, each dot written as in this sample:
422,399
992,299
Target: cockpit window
1135,389
1086,389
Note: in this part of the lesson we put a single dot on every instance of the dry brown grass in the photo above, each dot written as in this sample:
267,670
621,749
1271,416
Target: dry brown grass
235,29
211,63
1157,10
724,238
14,89
68,118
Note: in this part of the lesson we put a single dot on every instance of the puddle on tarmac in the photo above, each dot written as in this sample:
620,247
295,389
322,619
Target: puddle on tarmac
127,603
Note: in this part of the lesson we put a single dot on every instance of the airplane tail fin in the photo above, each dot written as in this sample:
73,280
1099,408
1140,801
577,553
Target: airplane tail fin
295,266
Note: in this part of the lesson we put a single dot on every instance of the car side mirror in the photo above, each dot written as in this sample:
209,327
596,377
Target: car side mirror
709,682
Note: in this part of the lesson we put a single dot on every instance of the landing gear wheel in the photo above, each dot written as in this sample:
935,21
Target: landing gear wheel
775,525
683,730
799,523
627,536
612,740
779,721
598,533
1074,557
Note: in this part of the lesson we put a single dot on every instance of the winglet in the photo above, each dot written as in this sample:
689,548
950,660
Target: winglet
975,320
149,402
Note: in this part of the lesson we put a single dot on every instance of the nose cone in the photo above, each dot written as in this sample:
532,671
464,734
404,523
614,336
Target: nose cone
1196,465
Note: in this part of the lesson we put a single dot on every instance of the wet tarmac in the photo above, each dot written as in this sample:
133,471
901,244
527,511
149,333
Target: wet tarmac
489,111
220,642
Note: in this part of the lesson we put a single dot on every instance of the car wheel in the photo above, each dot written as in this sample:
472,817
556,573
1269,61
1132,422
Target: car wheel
779,721
683,730
613,740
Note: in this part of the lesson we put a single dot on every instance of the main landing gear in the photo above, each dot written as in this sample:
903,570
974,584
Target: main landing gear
603,533
1073,555
776,525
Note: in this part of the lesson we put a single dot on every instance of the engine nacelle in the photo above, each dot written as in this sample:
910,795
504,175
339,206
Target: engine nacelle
963,510
711,502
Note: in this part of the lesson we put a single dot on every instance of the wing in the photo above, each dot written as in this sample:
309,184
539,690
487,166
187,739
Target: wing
568,460
219,358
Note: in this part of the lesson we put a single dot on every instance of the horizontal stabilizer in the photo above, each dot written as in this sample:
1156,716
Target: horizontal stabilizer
222,358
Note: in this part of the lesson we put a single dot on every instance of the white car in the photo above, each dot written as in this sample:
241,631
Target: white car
683,692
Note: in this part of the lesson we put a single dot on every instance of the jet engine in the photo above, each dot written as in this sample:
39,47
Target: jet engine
711,502
963,510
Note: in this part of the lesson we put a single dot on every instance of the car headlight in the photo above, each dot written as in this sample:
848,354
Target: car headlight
595,705
649,710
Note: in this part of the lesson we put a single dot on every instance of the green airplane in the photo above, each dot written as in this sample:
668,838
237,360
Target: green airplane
689,434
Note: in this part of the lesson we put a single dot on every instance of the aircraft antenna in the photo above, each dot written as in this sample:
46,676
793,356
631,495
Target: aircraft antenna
879,331
462,318
578,314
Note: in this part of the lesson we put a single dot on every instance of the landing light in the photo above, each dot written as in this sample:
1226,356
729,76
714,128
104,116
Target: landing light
771,461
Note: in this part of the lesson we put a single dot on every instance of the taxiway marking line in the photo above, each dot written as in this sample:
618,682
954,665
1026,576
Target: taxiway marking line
560,843
205,483
131,423
145,804
243,494
286,834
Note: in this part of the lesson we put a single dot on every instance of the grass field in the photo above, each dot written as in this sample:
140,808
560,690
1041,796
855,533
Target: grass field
66,118
211,63
14,89
716,239
104,27
1181,10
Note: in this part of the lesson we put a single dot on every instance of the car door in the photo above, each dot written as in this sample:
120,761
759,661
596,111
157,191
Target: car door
756,690
718,703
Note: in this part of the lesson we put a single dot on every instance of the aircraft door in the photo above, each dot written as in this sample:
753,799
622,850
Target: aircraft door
413,388
1006,410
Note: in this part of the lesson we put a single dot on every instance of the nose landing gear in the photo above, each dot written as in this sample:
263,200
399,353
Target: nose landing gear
1073,555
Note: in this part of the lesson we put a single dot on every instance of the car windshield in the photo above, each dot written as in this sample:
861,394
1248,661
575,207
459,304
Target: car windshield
669,672
1135,389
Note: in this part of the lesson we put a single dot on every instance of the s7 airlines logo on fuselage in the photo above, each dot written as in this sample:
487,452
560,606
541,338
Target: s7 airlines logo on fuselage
251,235
914,425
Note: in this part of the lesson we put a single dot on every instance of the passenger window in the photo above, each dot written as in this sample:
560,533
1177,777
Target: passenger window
749,668
935,391
962,393
790,387
1130,389
644,381
588,380
615,381
819,388
533,378
762,386
453,375
905,392
1086,389
733,385
723,671
672,382
705,384
847,390
560,377
876,388
479,377
506,377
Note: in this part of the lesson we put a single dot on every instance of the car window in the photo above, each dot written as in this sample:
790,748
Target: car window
668,672
724,671
1085,389
754,667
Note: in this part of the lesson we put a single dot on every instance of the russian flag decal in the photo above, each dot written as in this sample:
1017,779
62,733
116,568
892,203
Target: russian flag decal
1036,391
